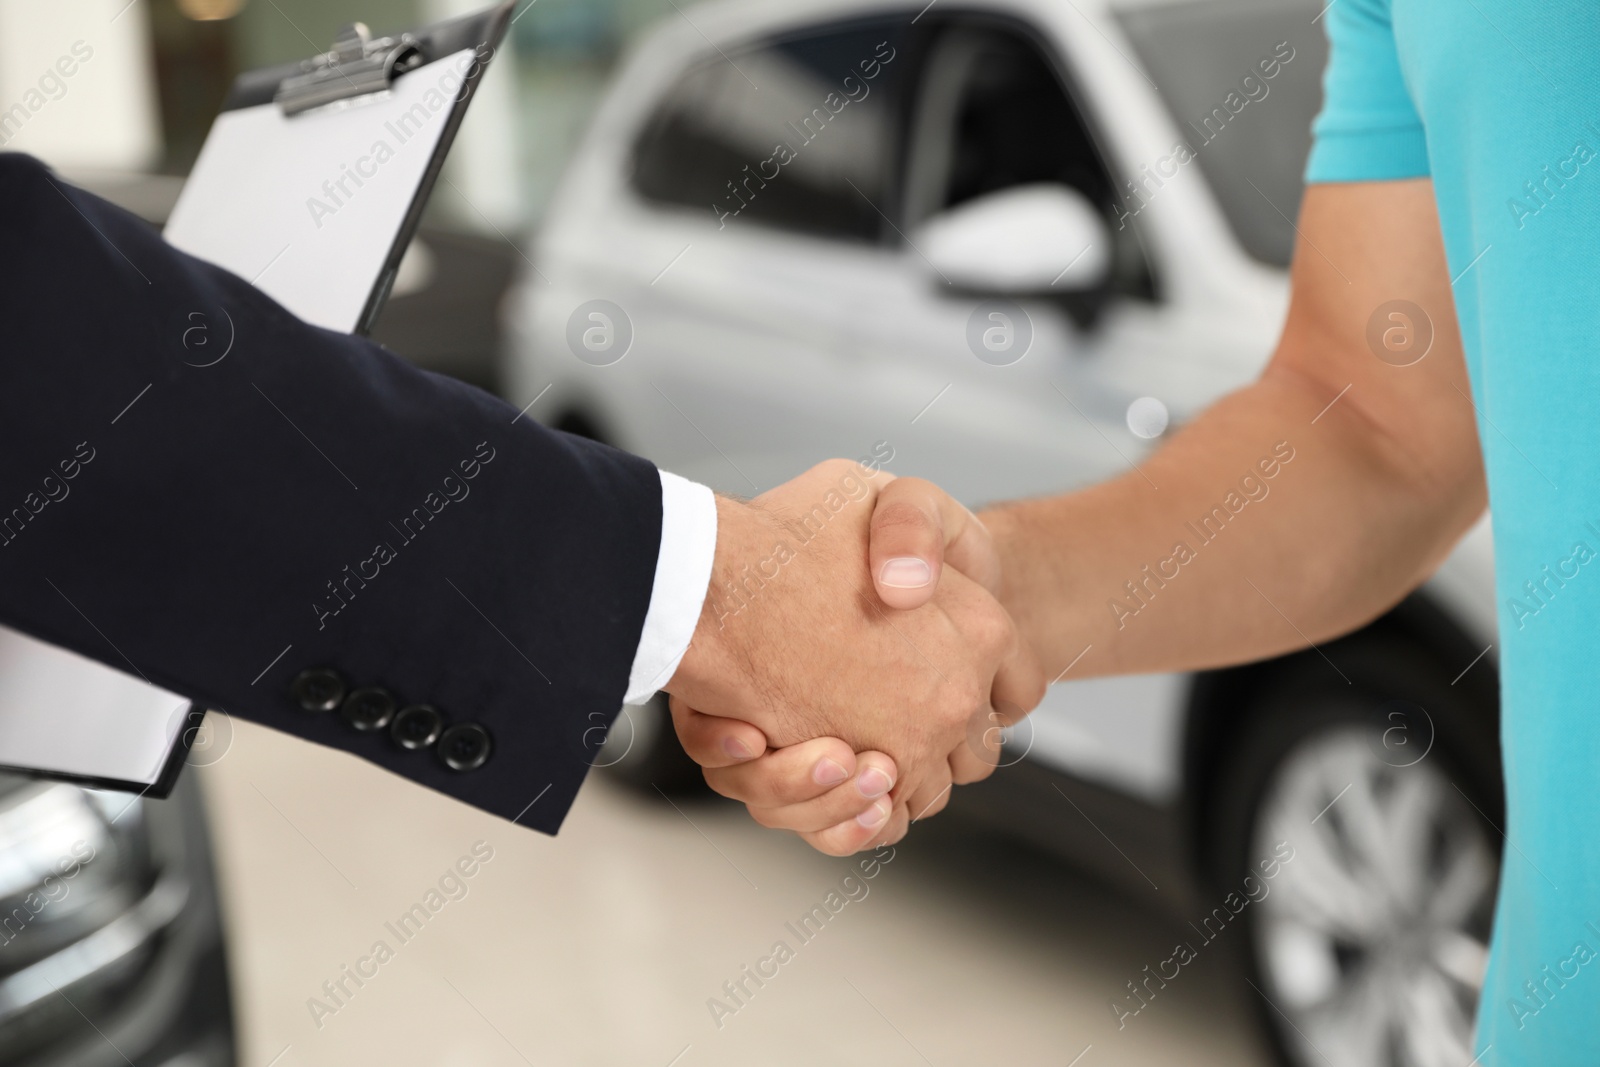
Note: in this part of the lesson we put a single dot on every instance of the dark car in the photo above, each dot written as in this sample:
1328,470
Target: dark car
111,945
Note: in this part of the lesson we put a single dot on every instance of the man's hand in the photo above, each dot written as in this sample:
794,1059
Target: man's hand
916,529
793,641
1372,464
821,789
835,799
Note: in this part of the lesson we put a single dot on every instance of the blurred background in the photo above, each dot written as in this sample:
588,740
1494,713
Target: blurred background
1005,244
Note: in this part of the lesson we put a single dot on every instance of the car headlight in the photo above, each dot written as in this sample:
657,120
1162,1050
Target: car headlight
84,900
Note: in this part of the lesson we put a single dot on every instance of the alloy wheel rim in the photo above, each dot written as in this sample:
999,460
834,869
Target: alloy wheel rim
1372,940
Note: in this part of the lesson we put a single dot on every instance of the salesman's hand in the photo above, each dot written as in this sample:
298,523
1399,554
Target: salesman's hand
805,650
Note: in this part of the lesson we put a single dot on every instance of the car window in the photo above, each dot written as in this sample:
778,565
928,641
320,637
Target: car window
1243,80
993,113
796,133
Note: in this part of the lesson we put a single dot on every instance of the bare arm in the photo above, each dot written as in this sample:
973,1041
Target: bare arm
1363,499
1350,478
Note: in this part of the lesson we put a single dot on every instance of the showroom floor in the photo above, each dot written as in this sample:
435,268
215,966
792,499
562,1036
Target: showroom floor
611,944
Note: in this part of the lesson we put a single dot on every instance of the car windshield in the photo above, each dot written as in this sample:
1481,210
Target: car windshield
1243,80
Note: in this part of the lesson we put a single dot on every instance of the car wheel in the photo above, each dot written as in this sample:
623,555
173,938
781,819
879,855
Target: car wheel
642,752
1367,946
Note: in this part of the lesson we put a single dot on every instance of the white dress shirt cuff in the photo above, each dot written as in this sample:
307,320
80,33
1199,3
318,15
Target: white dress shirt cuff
683,574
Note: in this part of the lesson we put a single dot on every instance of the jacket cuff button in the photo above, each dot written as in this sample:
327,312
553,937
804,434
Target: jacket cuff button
368,709
317,689
416,727
465,746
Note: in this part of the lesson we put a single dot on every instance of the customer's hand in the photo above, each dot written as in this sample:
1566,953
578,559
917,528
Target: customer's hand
794,642
916,529
837,800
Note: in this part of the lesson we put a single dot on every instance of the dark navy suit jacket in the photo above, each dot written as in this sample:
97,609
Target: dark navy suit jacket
308,501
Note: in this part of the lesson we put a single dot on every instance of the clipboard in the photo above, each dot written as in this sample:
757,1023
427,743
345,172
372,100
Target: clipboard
314,175
292,192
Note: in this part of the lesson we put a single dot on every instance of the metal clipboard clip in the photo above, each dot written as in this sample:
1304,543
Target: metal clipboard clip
357,66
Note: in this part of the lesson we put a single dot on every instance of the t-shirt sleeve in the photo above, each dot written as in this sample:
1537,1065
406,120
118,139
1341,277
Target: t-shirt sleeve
1368,129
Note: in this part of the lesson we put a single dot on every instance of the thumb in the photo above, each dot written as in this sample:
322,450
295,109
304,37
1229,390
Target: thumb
917,528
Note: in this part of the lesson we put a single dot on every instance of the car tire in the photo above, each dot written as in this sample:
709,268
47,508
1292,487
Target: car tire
641,751
1366,946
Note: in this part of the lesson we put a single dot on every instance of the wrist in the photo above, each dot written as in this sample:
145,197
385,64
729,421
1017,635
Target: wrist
711,661
1005,535
1037,587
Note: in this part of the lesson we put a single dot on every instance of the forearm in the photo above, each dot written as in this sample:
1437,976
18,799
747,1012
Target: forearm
1267,524
309,501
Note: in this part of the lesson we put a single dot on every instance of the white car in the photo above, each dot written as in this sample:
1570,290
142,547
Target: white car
1005,245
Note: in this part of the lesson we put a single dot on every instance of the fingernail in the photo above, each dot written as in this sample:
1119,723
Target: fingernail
873,782
906,572
736,748
827,772
873,817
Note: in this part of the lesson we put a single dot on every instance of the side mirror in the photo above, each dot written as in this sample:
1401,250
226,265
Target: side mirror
1026,240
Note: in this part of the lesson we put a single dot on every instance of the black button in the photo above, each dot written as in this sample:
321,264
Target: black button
368,709
465,747
416,727
317,689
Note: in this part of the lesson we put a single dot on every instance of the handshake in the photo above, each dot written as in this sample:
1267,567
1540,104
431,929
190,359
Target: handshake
841,678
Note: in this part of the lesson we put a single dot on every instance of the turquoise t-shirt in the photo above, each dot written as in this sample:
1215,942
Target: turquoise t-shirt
1499,103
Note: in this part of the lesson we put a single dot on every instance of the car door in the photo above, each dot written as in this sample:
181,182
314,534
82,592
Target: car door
993,111
766,170
1033,386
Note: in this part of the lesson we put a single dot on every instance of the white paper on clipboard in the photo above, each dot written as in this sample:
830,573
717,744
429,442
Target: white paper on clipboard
315,208
67,716
308,207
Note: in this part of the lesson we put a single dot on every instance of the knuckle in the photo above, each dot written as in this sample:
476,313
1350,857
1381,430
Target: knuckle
955,712
832,468
973,771
995,628
830,844
973,693
777,798
783,790
896,516
766,817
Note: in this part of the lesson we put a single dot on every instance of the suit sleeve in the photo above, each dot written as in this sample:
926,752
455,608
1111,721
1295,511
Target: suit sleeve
272,519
